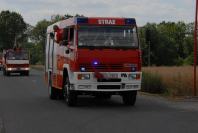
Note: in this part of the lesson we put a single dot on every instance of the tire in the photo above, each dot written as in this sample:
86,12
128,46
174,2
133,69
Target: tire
70,96
129,98
4,72
22,73
52,91
7,73
27,73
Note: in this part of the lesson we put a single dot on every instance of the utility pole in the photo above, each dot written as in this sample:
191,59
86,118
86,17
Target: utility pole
195,51
148,41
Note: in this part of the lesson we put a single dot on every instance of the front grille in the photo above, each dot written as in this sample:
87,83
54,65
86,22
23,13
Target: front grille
102,67
109,80
108,87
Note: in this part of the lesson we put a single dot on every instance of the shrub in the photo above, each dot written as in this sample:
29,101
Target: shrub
152,83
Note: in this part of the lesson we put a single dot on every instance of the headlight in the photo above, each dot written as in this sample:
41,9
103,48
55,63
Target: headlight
82,69
134,76
9,69
83,76
27,68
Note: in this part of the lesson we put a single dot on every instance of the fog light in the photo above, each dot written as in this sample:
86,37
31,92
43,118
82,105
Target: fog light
84,87
134,76
132,86
135,86
129,86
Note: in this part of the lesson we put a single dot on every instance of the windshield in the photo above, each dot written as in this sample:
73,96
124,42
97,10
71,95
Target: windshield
18,55
103,36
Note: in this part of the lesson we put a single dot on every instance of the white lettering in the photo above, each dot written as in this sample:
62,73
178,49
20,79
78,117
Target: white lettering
105,21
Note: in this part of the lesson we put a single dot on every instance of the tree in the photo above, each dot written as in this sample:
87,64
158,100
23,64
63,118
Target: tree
12,26
170,43
38,36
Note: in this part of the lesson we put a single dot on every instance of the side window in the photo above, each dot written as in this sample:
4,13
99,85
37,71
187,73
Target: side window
65,37
65,34
71,36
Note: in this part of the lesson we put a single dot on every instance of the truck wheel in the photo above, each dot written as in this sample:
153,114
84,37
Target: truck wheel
4,72
129,98
7,73
52,91
70,96
27,73
21,73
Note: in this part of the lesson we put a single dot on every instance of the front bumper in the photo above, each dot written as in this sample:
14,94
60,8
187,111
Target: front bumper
120,84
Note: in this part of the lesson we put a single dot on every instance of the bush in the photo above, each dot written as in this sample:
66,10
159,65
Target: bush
152,83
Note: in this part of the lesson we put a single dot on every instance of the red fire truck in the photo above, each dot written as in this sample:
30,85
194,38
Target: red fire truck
93,56
16,61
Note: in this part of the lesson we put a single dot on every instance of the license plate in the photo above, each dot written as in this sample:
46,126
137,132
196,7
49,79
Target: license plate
110,75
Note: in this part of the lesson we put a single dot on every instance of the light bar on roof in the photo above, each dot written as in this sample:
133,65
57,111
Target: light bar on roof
82,20
130,21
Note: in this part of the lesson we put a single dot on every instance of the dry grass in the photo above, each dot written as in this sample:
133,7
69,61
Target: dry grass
178,80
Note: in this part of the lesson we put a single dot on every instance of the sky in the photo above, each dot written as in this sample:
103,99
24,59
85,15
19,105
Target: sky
143,10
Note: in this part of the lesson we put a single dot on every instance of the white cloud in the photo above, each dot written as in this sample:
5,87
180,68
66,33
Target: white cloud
143,10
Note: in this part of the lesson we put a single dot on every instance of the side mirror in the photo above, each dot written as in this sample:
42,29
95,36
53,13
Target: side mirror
52,35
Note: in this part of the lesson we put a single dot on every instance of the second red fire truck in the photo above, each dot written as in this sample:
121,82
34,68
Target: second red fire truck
93,56
16,61
1,62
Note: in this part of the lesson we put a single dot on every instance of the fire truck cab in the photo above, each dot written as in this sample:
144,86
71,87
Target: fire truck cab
16,61
93,56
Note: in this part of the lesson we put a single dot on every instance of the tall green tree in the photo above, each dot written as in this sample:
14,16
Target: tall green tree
167,43
12,26
38,36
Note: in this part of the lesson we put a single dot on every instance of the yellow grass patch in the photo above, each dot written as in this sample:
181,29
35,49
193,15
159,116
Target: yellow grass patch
178,80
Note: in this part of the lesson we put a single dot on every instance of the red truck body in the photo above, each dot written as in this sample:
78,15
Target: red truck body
94,56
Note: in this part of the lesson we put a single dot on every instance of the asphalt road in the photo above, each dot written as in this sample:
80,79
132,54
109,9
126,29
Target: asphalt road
26,108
